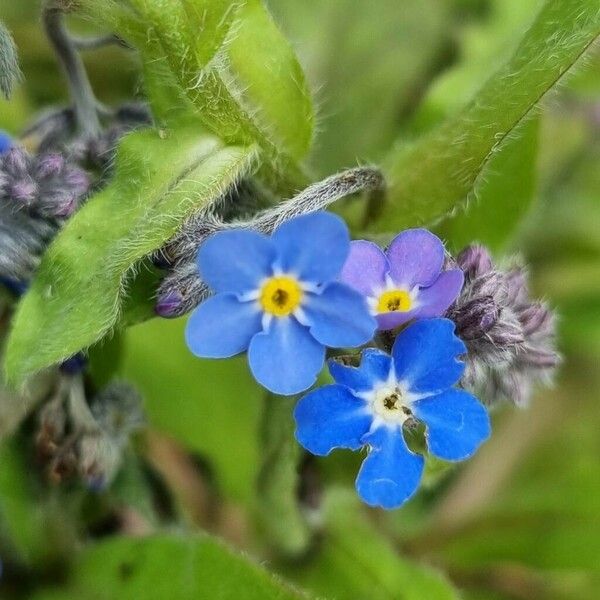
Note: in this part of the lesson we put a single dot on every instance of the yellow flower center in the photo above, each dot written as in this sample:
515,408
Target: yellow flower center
280,296
394,301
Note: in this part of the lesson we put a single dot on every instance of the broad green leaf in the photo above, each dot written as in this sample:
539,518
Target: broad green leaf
231,61
212,407
76,296
355,560
439,172
503,198
167,566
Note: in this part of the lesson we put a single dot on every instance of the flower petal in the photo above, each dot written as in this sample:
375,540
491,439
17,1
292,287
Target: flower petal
236,261
374,368
425,356
285,359
314,246
391,320
331,417
391,473
338,317
222,326
416,257
365,268
434,300
457,423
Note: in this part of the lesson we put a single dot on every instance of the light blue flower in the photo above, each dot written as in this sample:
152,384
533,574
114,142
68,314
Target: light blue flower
368,406
277,298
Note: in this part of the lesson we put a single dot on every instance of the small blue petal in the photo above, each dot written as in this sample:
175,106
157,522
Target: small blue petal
374,368
331,417
285,359
314,246
236,261
222,326
6,142
339,317
457,423
425,356
391,473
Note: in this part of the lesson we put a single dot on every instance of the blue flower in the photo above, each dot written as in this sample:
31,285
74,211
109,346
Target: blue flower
369,405
277,298
6,142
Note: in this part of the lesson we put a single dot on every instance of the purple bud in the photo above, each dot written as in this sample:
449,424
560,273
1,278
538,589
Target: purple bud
50,165
167,305
507,333
490,285
15,160
516,286
475,318
23,191
534,318
474,261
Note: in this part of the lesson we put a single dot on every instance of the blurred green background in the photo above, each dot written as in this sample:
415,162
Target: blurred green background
522,519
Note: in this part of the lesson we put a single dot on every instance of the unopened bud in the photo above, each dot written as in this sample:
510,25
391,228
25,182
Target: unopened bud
474,261
475,318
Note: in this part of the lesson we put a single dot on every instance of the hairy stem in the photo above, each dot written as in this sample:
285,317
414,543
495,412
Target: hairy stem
285,525
86,115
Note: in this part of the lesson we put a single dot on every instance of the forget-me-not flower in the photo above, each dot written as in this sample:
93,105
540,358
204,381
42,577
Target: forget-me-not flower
278,298
406,282
369,405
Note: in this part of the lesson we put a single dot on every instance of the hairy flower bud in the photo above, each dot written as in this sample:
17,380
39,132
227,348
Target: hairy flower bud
36,194
509,337
46,185
474,261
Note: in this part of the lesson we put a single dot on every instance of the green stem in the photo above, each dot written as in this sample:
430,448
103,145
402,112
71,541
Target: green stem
285,525
84,102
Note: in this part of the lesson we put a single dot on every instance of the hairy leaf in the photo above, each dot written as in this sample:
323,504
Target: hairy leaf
167,566
9,63
76,296
230,61
439,172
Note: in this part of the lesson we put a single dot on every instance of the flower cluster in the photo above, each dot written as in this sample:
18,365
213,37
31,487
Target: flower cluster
37,193
453,326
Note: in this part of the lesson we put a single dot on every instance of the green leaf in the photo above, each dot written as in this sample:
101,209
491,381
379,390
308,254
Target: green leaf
439,172
368,65
212,407
9,63
504,197
231,62
167,566
355,560
75,298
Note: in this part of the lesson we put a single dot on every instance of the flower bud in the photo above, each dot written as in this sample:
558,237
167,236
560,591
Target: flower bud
474,261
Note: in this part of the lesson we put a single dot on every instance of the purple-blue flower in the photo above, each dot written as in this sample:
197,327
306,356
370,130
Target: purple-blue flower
369,405
406,282
277,297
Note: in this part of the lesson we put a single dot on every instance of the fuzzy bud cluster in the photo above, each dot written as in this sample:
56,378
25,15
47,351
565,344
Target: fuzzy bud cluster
37,193
510,337
85,438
